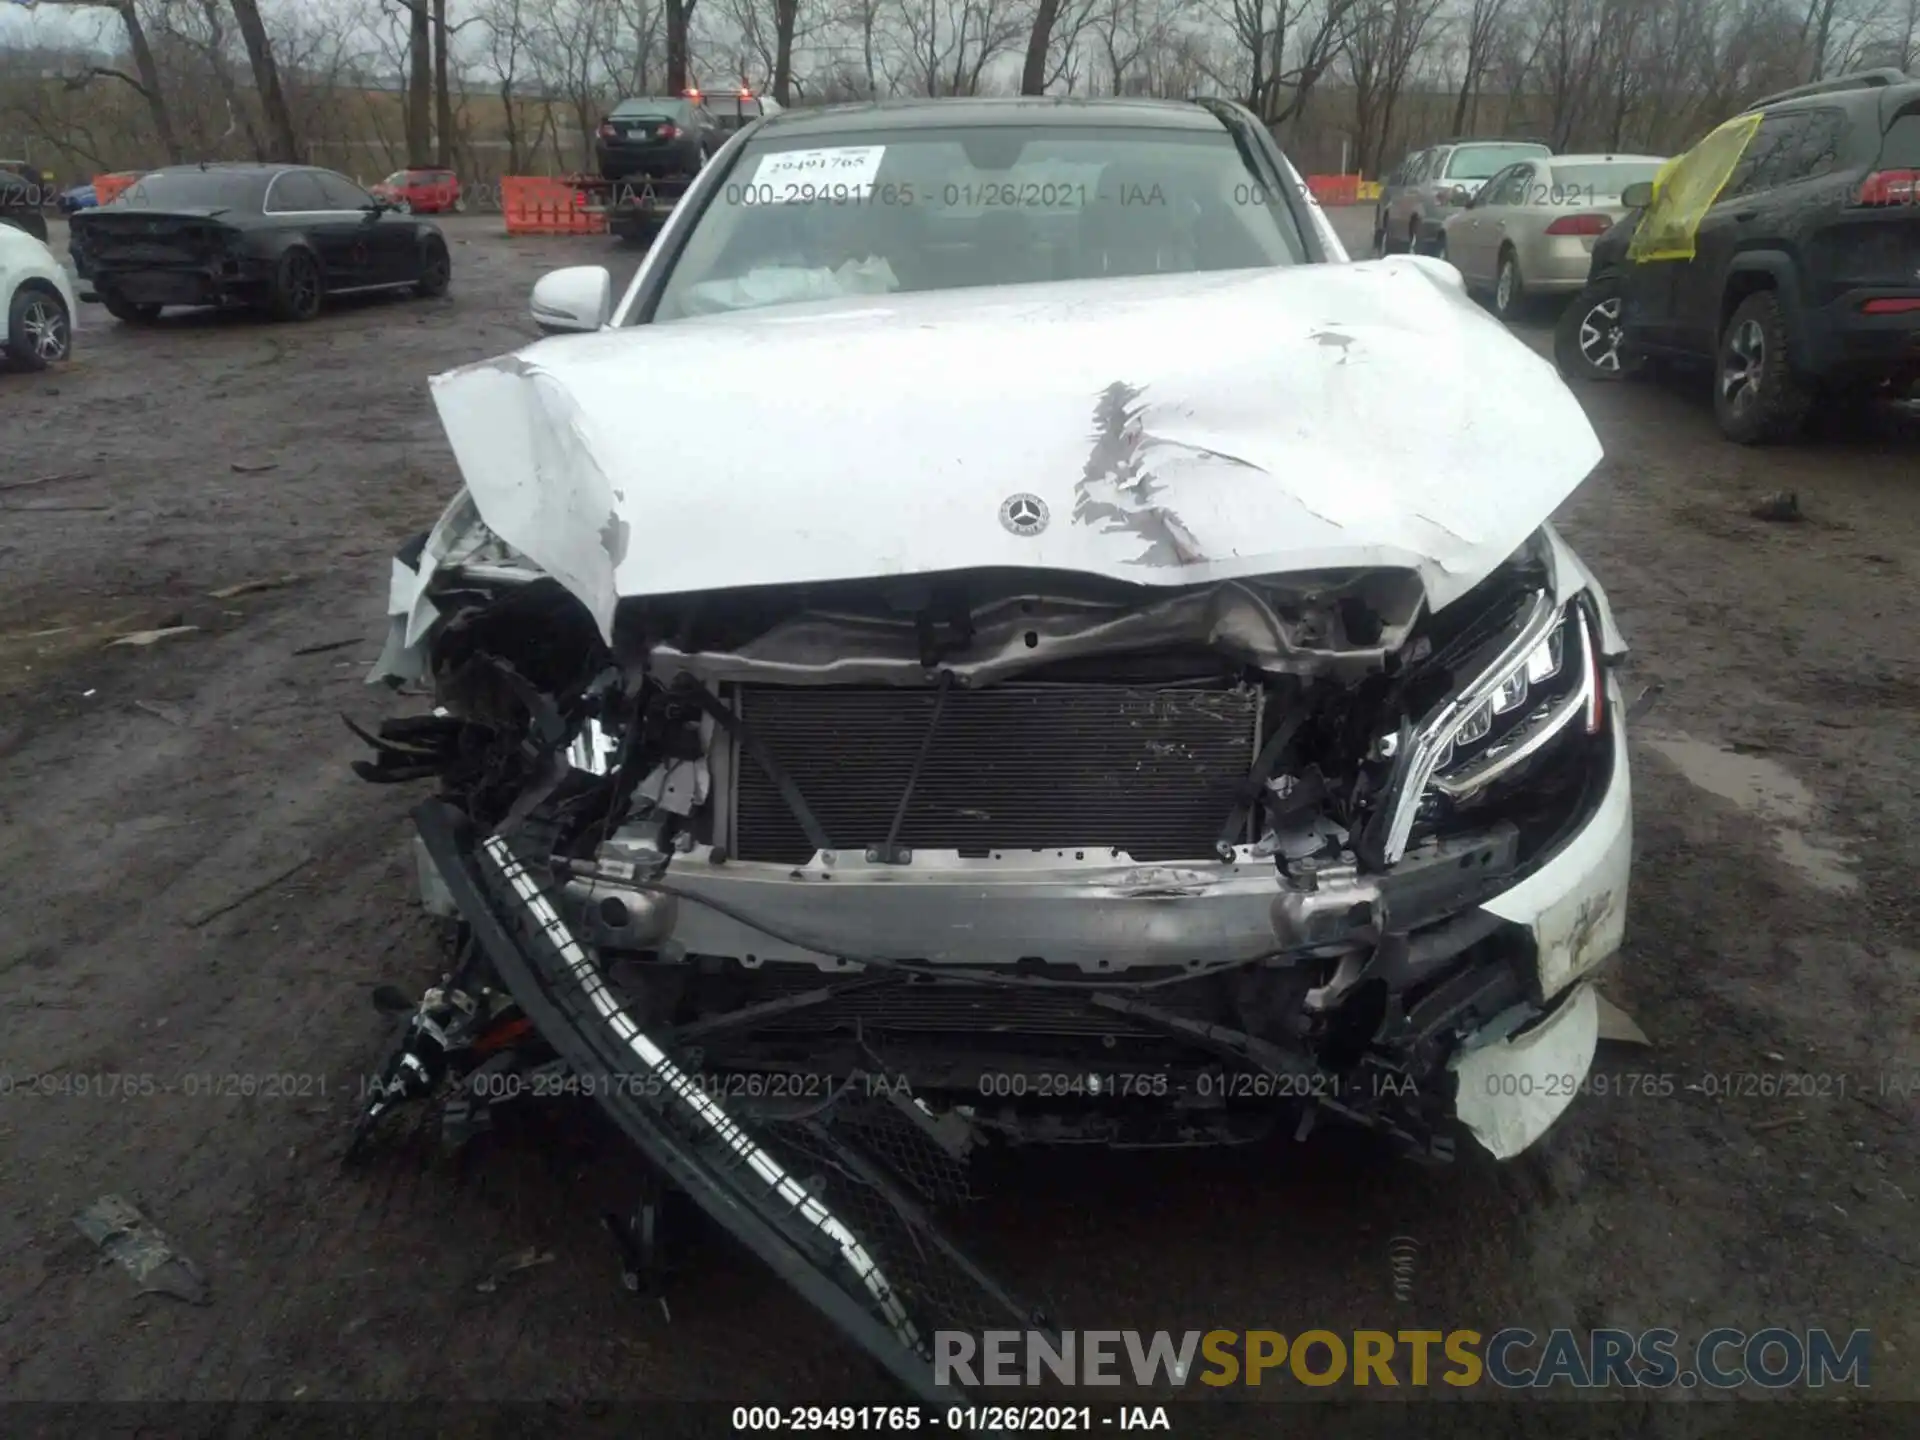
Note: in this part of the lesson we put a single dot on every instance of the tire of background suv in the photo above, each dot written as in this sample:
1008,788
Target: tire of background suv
128,312
1757,398
1581,336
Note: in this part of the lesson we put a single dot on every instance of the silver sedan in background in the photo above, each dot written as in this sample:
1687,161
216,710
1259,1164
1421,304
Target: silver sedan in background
1530,230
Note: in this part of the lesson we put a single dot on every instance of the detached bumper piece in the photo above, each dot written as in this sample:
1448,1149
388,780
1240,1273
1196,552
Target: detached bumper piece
836,1198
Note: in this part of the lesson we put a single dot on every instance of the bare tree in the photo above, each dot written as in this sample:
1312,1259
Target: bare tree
145,81
419,83
1123,29
282,138
1033,75
1383,40
1480,26
1283,49
506,43
1053,43
679,18
442,94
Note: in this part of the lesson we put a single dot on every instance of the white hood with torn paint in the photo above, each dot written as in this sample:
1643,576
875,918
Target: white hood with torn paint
1179,430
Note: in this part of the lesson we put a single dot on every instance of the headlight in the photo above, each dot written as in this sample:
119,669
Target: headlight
1530,695
1545,680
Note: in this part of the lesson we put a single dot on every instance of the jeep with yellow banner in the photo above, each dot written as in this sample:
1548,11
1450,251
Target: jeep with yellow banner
1783,248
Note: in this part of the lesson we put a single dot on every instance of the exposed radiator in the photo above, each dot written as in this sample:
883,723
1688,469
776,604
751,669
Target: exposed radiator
1013,767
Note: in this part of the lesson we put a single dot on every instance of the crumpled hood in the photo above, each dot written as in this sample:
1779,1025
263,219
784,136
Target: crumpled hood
1174,430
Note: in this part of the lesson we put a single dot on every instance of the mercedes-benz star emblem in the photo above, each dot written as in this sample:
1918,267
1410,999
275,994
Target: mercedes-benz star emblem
1024,514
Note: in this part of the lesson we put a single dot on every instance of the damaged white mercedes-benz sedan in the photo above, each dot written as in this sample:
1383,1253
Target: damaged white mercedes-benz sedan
1003,636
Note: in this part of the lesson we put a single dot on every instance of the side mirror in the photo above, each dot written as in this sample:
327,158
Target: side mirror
1462,196
578,298
1638,195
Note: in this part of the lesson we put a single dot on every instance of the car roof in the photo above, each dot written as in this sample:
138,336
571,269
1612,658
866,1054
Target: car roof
982,111
228,167
1608,159
635,101
1863,88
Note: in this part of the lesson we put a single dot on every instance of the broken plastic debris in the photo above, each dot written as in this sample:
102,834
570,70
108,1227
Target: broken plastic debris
1617,1026
520,1260
286,872
248,587
44,479
149,637
172,714
125,1235
242,468
1780,505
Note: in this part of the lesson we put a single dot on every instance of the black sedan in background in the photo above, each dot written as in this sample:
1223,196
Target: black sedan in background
657,137
278,238
23,191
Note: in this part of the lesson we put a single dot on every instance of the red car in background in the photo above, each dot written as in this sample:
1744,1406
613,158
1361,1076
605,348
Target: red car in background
422,192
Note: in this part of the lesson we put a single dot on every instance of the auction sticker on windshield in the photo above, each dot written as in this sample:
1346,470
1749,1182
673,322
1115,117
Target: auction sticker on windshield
811,174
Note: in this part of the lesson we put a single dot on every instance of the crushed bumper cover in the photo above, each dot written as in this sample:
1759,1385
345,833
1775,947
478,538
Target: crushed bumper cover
809,1195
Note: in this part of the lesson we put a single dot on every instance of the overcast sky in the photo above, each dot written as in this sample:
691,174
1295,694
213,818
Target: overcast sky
61,25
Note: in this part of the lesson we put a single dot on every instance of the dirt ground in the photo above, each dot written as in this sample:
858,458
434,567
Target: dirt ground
1773,931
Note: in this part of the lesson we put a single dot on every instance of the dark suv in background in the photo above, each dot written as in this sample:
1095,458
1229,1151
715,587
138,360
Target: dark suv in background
1797,277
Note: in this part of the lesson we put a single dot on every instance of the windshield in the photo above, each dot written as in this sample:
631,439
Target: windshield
937,209
1481,162
195,190
1606,177
397,179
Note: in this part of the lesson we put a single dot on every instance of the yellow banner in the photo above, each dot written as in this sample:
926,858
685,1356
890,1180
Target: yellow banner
1685,190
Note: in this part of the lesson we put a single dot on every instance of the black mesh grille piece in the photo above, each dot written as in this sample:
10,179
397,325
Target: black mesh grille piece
1015,767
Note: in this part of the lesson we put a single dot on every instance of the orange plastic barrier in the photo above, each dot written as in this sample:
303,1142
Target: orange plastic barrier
1335,189
535,205
108,187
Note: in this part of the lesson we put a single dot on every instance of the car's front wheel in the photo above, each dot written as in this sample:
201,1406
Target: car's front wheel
1589,342
39,330
1757,398
436,270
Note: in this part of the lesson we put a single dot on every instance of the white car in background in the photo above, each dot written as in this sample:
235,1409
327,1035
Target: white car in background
37,302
